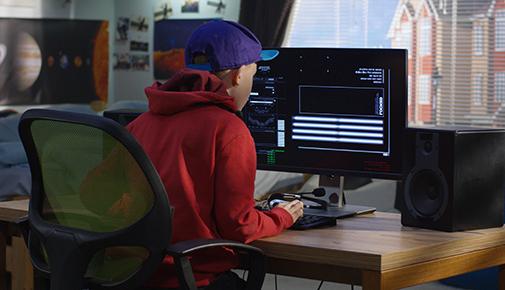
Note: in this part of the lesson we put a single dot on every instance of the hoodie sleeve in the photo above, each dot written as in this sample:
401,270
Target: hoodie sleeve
236,217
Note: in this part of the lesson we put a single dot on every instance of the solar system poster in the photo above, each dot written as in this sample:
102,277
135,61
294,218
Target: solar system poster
49,61
170,38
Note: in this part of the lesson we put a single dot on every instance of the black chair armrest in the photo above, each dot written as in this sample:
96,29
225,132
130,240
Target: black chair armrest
255,261
187,247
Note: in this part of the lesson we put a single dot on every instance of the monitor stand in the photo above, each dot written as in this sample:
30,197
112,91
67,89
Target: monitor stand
339,208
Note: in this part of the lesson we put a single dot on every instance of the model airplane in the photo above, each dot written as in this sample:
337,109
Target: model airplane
140,24
163,13
220,6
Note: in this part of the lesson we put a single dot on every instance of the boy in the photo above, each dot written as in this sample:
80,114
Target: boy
205,155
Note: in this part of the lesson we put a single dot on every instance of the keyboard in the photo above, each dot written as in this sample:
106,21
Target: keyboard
313,221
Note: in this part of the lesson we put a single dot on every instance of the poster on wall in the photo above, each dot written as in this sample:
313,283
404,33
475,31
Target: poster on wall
122,28
220,6
170,38
139,24
163,11
121,61
48,61
139,46
190,6
140,62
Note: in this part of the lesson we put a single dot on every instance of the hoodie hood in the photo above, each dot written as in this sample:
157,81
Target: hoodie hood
188,89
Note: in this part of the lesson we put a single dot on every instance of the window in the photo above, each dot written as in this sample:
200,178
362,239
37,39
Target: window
405,37
424,89
500,30
328,23
461,72
500,87
478,39
477,90
425,36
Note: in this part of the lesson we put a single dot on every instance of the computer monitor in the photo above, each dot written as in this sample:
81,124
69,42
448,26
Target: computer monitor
330,111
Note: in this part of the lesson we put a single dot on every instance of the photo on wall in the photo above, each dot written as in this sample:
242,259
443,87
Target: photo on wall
122,28
139,23
220,6
121,61
190,6
140,62
170,38
139,46
48,61
163,11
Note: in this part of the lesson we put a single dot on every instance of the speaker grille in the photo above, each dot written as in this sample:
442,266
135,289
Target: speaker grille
426,193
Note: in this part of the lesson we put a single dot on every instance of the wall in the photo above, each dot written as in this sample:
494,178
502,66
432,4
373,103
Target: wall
129,85
123,85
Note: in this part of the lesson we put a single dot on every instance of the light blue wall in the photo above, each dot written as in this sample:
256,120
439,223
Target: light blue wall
129,85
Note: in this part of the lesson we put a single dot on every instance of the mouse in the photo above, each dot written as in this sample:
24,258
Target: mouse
274,202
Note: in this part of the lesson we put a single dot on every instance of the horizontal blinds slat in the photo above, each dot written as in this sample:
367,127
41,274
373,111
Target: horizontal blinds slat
456,52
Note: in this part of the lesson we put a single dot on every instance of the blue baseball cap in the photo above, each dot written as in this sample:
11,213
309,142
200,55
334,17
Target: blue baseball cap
226,45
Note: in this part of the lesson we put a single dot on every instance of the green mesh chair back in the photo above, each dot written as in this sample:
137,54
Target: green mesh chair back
99,214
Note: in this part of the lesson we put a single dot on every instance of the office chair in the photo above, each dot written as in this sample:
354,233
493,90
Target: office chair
99,216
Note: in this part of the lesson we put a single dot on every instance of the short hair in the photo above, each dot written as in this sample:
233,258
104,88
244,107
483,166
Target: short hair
203,59
200,59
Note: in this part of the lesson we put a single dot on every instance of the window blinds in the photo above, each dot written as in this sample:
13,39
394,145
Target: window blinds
456,50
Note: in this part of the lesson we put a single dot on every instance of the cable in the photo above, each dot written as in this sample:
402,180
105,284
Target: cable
275,277
320,284
352,287
243,275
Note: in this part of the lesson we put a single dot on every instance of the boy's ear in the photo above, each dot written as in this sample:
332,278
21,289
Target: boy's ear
236,74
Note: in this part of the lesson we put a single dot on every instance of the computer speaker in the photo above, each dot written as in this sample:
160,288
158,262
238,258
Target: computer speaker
454,178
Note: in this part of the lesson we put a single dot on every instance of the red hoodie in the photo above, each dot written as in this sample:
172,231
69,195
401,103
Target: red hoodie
205,155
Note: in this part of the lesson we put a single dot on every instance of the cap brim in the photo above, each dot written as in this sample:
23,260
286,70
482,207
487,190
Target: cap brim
265,55
205,66
268,54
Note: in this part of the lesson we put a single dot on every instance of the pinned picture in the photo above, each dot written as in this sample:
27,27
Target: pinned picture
122,28
190,6
139,23
139,46
163,11
140,62
219,5
122,61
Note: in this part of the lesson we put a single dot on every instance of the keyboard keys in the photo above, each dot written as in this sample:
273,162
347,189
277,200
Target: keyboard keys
313,221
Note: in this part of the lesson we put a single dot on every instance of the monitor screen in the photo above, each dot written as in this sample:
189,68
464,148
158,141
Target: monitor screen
330,111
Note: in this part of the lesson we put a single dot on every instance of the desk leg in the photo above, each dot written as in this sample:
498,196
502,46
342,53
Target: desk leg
501,277
3,260
372,280
21,267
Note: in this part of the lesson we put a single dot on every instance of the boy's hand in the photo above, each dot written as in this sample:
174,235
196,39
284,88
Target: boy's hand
294,208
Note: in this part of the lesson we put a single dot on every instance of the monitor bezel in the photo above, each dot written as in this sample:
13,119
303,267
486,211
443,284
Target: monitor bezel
392,175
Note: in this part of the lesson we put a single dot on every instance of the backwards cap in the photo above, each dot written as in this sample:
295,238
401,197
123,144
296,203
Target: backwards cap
225,45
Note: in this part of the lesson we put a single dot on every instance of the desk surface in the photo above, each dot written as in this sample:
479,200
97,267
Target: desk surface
11,211
376,242
372,250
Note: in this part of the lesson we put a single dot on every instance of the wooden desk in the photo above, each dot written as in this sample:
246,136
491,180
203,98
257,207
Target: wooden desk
377,252
372,250
14,258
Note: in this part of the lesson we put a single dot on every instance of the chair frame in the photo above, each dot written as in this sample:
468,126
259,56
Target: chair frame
70,249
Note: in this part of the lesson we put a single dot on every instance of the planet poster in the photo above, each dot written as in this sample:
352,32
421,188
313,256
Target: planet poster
49,61
170,38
